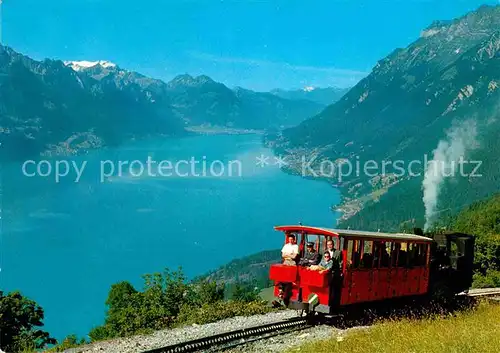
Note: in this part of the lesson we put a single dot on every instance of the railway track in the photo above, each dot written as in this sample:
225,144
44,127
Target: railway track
239,337
235,338
482,292
490,294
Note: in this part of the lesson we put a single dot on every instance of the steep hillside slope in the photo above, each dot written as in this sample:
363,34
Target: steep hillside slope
446,80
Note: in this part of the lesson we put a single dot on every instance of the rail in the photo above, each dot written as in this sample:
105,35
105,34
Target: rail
235,338
481,292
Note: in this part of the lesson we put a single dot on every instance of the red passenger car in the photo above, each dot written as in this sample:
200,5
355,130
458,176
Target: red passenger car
374,266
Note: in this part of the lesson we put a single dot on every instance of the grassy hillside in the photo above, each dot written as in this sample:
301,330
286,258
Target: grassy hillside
474,331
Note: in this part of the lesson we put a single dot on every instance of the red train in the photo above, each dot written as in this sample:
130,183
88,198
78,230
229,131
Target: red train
373,266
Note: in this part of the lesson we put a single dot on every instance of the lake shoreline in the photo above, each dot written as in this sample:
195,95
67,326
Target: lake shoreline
222,130
138,220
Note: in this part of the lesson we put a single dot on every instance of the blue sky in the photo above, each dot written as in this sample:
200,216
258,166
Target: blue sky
257,44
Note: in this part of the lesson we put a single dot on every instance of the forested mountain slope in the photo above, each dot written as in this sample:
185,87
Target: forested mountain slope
444,87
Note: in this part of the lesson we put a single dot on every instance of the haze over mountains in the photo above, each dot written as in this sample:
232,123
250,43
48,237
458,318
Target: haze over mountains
448,77
325,96
55,107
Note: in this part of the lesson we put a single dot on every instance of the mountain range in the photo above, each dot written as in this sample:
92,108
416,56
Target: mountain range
321,95
438,98
48,108
52,107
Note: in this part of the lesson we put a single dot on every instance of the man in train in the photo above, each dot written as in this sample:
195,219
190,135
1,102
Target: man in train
311,256
336,270
290,251
335,255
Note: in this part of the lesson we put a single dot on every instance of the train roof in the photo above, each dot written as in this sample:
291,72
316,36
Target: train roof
348,233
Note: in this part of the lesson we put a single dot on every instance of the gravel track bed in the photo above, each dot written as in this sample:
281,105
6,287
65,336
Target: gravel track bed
293,340
167,337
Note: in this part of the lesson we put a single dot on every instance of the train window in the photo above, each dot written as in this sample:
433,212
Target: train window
316,239
412,254
366,254
389,246
349,253
453,249
422,254
394,254
399,255
417,254
425,252
356,253
403,255
353,253
381,254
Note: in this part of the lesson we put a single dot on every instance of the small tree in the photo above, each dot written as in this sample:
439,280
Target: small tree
70,341
119,295
20,320
131,312
207,292
244,293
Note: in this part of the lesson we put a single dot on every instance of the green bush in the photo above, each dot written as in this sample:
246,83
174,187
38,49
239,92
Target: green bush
132,312
70,341
20,322
100,333
487,253
205,292
488,280
168,300
244,292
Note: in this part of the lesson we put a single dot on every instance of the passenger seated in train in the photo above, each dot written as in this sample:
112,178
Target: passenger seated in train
335,255
326,263
311,256
290,251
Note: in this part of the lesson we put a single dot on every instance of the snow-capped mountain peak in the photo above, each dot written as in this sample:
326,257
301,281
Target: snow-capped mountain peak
81,65
308,88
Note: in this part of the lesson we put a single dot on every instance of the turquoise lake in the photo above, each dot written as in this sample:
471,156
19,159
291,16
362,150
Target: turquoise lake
63,244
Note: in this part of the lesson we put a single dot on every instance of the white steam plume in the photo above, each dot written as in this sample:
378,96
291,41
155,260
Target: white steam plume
448,155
